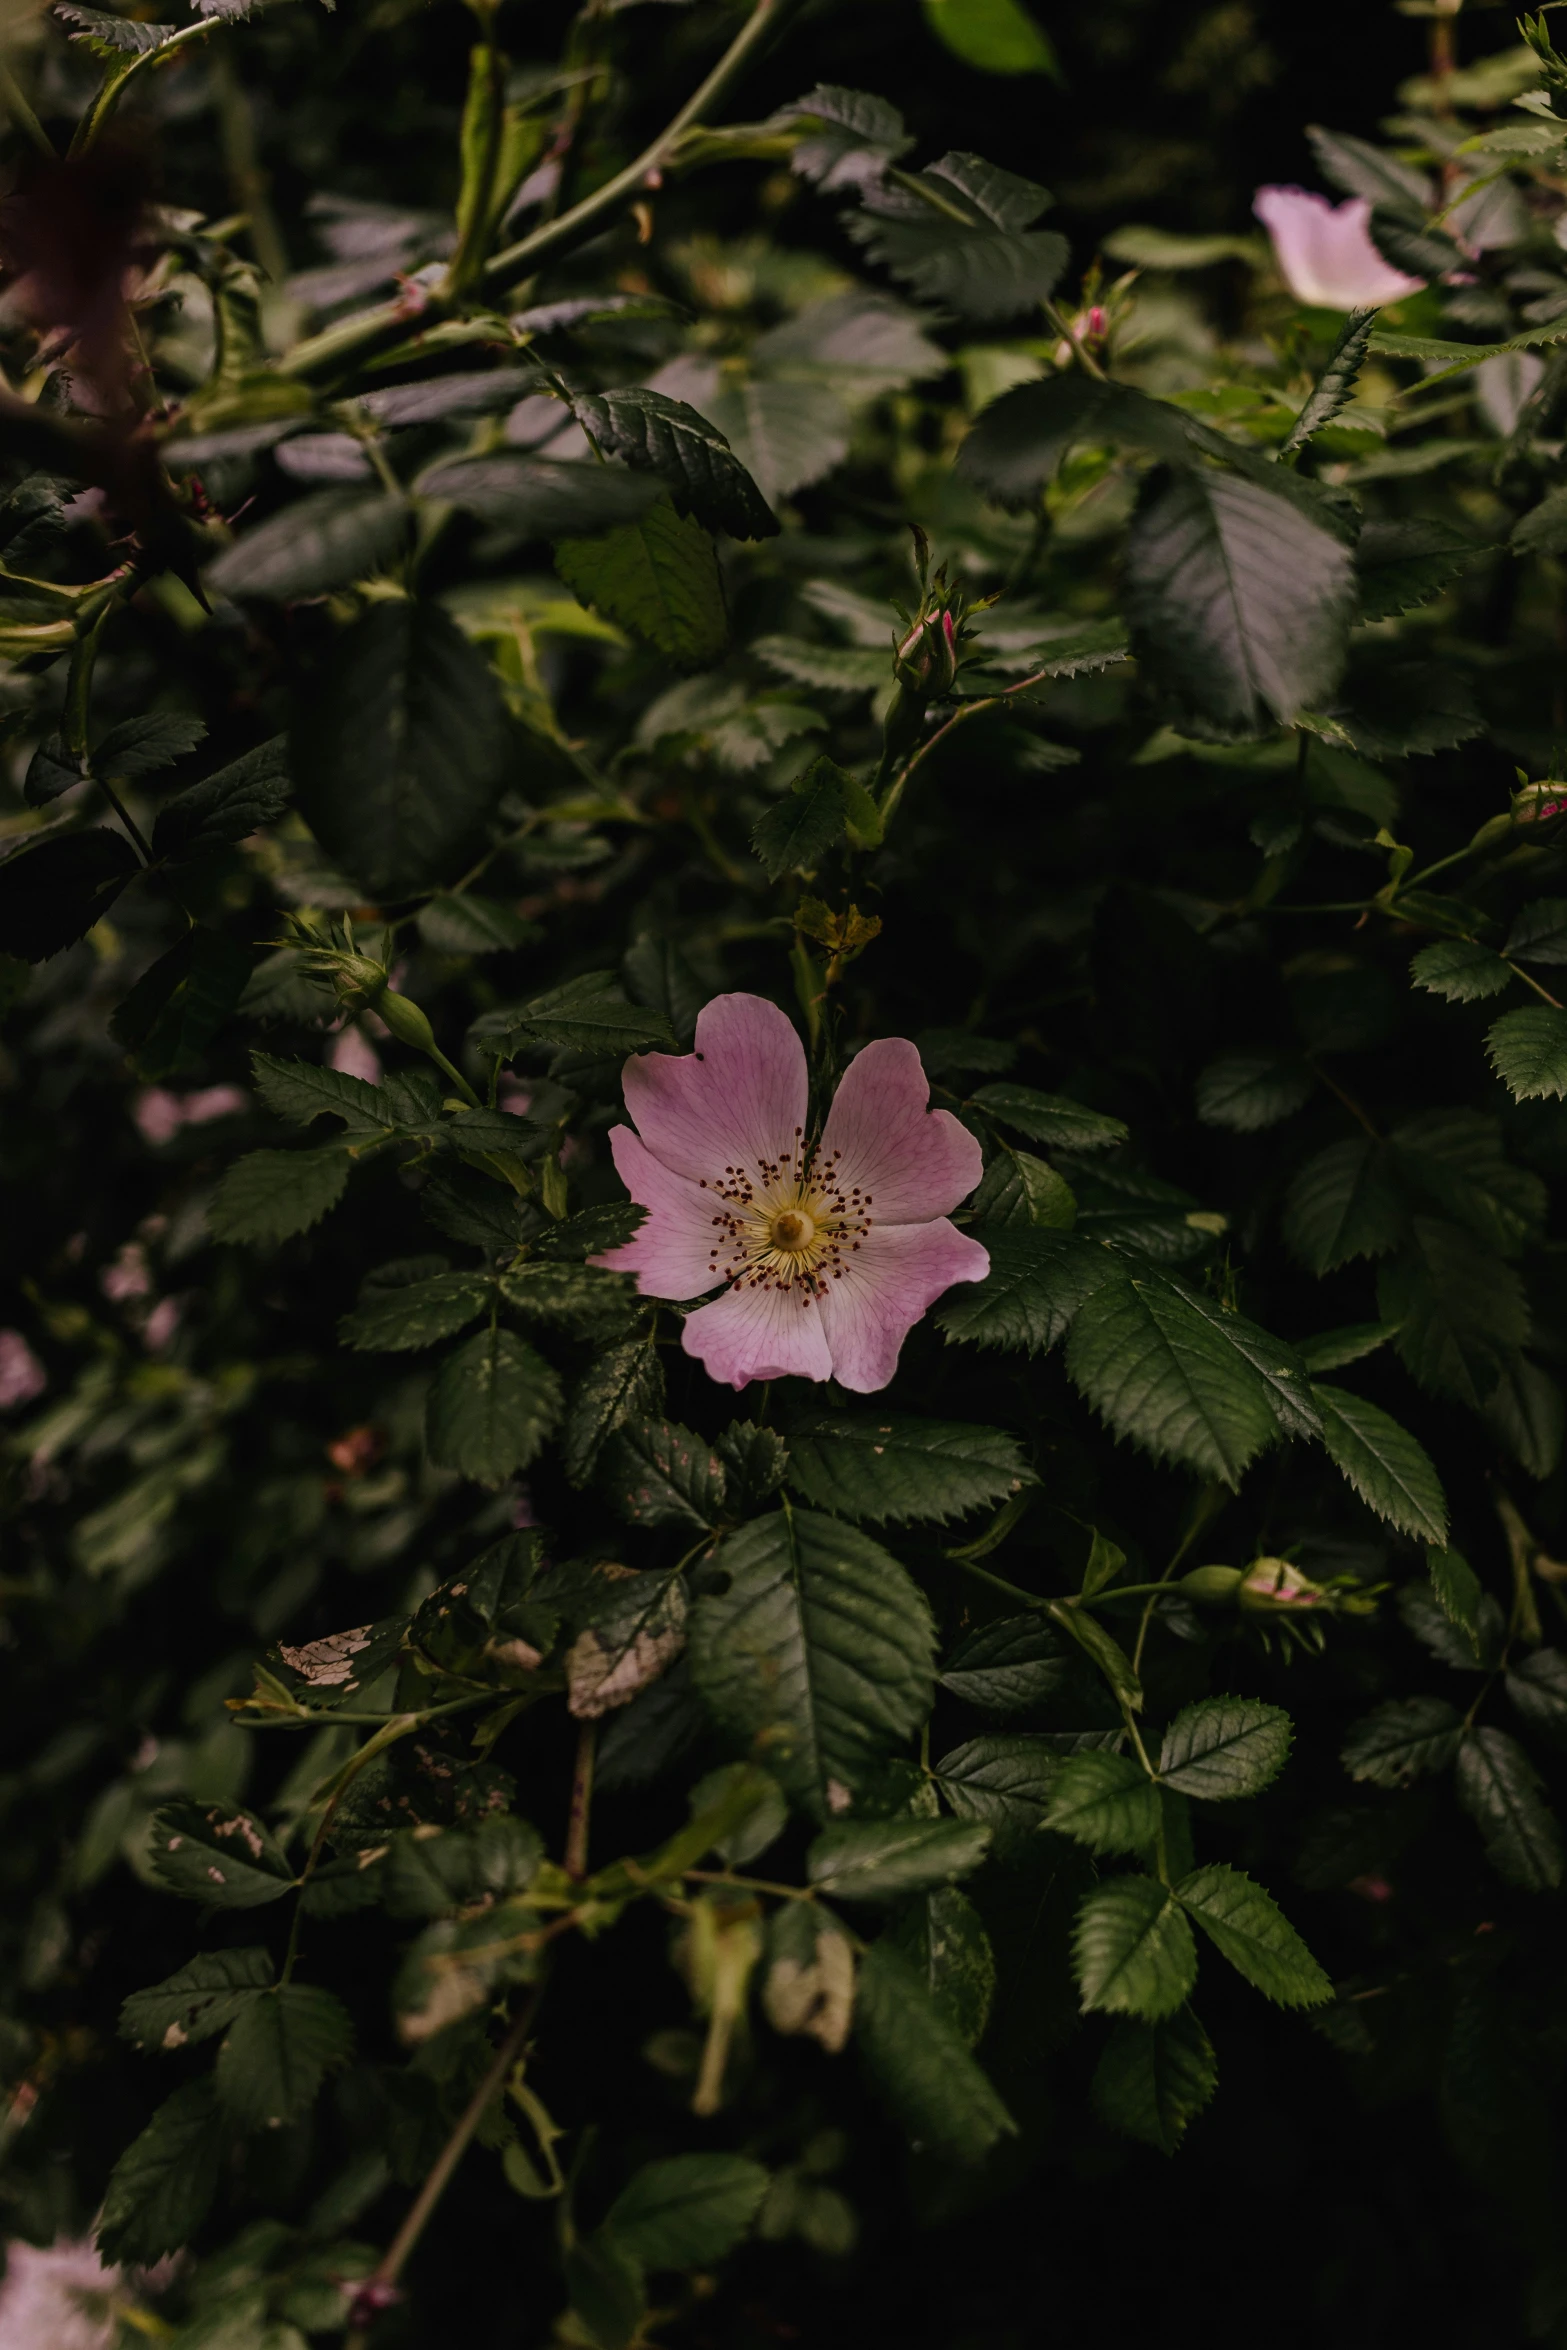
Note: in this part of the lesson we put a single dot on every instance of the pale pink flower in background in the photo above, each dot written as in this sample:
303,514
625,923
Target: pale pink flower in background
514,1097
1324,250
829,1255
22,1375
129,1276
159,1114
353,1055
161,1324
56,2297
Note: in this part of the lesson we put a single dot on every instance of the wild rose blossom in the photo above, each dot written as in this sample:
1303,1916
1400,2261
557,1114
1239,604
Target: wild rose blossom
22,1375
57,2297
829,1254
1324,250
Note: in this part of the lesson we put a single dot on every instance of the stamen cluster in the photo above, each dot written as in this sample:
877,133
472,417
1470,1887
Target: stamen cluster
790,1226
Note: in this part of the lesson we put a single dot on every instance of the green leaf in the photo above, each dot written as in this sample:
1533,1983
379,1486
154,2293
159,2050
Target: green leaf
919,2065
400,748
113,38
1461,970
1106,1652
895,1467
1249,1091
605,2285
970,248
941,1935
1403,564
1332,1350
688,2211
225,1858
1458,1592
1528,1413
1036,1283
1528,1051
198,2000
994,36
1390,1471
51,895
1223,1747
248,794
1019,1189
1247,1927
1335,386
1165,1375
178,1006
657,577
268,1196
1004,1784
587,1300
1009,1666
490,1407
1399,1742
1237,598
789,431
1461,1311
1537,1685
798,830
162,2187
1343,1205
851,132
316,544
305,1090
1049,1118
473,925
1539,935
540,497
1106,1801
657,1473
144,746
877,1860
818,1656
397,1318
1153,2079
621,1383
1278,1365
632,1637
1455,1162
1504,1795
1133,1949
587,1015
277,2053
700,470
1427,1620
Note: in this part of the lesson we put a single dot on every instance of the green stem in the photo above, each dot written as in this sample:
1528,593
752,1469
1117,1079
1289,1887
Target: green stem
338,347
1084,357
115,83
22,115
998,1582
580,1815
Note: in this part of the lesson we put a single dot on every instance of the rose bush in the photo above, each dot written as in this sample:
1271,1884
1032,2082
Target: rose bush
783,1072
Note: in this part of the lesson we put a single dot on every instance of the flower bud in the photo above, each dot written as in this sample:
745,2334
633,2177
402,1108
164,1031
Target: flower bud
1212,1586
1273,1585
1539,803
1494,830
405,1020
927,659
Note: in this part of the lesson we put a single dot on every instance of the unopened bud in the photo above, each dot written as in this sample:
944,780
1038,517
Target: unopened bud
405,1020
1211,1586
1493,830
1539,803
927,659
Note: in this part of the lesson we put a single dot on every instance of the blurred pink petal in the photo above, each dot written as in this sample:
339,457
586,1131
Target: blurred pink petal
830,1254
513,1096
129,1276
22,1375
158,1115
215,1101
156,1332
353,1055
56,2297
1324,250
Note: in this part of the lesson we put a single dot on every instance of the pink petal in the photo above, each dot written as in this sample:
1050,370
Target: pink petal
759,1334
896,1277
737,1100
1325,253
914,1162
671,1254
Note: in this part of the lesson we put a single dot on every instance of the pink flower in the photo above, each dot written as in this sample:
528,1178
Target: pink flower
159,1114
22,1375
830,1252
158,1331
213,1101
353,1055
56,2297
129,1276
1324,250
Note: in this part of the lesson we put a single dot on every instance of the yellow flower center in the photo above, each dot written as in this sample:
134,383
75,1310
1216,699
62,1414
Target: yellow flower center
794,1230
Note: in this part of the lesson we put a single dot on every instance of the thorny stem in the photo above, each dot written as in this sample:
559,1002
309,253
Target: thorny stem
1200,1519
580,1814
392,2262
896,788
